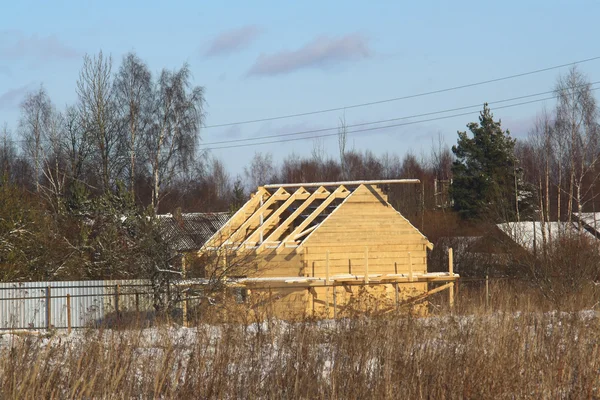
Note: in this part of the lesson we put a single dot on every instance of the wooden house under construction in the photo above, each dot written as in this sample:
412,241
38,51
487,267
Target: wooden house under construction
323,250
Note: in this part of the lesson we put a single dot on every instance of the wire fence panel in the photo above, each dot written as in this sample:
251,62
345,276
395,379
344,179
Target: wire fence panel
42,305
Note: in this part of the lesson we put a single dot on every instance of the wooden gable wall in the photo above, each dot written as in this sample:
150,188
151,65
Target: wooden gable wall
365,220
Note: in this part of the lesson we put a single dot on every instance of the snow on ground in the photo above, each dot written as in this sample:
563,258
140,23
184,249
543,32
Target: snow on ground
182,336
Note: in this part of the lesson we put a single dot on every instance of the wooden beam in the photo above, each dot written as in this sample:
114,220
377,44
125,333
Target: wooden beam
303,282
327,282
300,194
247,210
340,192
428,293
306,232
279,195
346,183
320,193
366,265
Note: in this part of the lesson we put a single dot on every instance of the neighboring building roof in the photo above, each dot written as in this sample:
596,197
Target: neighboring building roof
590,219
525,233
190,231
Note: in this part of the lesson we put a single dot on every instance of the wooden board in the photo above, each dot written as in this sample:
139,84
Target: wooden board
365,221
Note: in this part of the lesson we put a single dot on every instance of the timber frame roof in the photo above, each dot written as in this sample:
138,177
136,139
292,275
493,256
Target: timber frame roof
284,216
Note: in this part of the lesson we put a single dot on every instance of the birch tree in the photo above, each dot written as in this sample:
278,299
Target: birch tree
172,138
577,127
133,94
36,112
97,111
540,139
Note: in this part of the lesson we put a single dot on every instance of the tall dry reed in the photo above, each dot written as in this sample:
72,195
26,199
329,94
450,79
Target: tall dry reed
513,349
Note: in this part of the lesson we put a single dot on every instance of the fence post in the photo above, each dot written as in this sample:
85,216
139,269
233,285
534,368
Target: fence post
334,302
68,313
451,274
396,285
487,291
184,315
48,308
117,300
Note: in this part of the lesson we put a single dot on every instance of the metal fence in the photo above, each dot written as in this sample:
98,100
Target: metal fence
72,304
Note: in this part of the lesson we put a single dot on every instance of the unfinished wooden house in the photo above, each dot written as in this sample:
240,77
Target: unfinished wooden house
324,250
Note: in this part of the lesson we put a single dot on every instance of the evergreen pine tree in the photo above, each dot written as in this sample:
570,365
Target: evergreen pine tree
485,172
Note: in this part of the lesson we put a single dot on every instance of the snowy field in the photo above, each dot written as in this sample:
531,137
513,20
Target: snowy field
496,355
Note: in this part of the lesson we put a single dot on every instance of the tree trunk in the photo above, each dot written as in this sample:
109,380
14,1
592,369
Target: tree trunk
548,195
156,187
558,190
543,218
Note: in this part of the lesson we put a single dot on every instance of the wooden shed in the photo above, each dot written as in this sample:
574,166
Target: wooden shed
324,250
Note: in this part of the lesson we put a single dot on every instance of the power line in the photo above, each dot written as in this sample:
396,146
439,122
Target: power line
380,127
385,120
412,96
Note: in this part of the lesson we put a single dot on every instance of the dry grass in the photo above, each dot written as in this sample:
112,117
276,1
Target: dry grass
474,353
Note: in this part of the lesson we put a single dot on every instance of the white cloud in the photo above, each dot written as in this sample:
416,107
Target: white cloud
16,45
319,53
233,40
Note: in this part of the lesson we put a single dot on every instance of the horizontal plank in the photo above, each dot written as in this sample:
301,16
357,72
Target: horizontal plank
380,240
360,225
353,255
400,263
364,232
352,252
351,247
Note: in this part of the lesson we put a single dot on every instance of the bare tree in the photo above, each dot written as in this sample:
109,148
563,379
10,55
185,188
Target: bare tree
98,115
171,140
36,112
318,152
76,143
259,171
576,123
219,177
441,158
342,140
392,167
55,172
540,139
8,153
133,91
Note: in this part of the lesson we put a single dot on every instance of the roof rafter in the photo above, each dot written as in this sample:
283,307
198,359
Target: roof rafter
256,236
340,192
221,235
320,193
240,233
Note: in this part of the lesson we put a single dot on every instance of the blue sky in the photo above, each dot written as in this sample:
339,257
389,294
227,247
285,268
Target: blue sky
261,59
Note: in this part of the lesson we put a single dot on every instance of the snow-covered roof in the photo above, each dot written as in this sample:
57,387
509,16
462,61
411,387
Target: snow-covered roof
525,233
190,231
592,220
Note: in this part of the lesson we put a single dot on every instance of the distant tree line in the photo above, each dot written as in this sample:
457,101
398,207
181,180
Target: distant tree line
80,185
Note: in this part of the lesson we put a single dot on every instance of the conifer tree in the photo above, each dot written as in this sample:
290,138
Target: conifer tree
486,179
